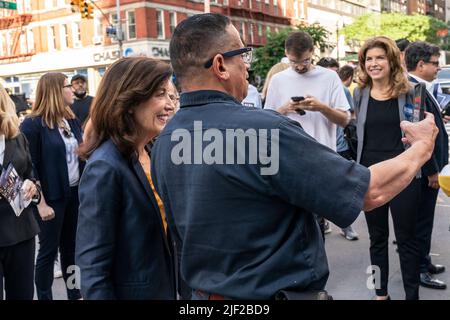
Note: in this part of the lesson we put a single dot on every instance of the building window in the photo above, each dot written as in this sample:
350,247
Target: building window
23,42
64,36
267,30
98,26
296,14
76,35
242,30
160,24
51,38
250,31
173,21
30,40
131,25
260,30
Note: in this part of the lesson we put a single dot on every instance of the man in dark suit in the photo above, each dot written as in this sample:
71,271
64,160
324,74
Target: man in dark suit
83,101
422,62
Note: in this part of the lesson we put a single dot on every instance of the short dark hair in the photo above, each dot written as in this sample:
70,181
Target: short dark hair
298,43
419,50
78,77
346,72
402,44
328,62
195,40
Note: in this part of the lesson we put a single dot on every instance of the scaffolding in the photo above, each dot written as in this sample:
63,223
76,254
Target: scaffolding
13,36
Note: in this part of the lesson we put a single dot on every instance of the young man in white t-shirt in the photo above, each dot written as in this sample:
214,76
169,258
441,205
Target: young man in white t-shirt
324,104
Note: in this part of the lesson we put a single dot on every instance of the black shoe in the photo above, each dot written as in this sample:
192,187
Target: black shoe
427,281
435,268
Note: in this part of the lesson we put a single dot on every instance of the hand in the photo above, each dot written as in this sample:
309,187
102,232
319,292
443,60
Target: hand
46,212
433,181
288,107
312,104
29,189
446,119
422,132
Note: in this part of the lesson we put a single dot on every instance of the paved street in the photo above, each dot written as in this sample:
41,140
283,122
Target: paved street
348,261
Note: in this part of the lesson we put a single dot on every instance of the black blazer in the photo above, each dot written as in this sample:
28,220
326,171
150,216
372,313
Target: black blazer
15,229
48,153
121,246
439,157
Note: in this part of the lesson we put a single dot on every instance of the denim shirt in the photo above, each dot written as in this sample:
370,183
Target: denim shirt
242,234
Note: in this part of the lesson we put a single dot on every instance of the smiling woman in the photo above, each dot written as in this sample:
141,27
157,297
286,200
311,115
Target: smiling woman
122,249
379,106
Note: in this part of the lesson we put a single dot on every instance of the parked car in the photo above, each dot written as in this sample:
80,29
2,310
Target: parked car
443,77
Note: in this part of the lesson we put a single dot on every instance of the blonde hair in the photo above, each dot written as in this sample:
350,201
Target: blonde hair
280,66
398,82
49,103
9,122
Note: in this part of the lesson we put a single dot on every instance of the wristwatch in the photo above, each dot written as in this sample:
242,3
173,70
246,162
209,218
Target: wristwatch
36,199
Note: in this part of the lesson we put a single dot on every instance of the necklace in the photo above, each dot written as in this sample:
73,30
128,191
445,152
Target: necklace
67,132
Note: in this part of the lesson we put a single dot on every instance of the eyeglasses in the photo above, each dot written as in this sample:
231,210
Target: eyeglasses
305,62
246,54
435,63
174,97
68,86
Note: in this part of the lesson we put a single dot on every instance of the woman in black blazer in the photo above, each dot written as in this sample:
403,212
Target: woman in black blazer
122,249
16,232
54,134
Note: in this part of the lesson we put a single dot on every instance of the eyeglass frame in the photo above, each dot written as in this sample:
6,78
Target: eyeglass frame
435,63
230,54
68,86
303,63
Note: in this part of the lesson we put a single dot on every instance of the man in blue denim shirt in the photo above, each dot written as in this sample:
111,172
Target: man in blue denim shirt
239,184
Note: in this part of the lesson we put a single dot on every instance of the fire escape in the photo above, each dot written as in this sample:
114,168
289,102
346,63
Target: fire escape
13,35
260,11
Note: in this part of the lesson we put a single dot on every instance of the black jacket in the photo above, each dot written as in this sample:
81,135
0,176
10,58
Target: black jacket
15,229
121,246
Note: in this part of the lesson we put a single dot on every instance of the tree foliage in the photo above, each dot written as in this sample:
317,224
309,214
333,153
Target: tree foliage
273,51
394,26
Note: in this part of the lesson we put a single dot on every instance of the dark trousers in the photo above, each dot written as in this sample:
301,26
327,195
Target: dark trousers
404,209
17,270
425,221
58,232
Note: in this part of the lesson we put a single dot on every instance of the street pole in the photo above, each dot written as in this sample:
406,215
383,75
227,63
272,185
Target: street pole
207,7
337,40
119,29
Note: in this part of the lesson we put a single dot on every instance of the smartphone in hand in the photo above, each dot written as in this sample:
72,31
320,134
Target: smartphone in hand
297,99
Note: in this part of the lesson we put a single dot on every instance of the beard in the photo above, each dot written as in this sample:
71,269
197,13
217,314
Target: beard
80,95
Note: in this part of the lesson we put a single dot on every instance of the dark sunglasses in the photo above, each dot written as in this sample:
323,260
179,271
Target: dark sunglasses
245,52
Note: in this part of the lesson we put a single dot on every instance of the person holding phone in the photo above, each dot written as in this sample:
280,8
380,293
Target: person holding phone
315,90
324,105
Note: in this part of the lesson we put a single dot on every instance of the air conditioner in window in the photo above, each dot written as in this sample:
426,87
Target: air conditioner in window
77,44
97,39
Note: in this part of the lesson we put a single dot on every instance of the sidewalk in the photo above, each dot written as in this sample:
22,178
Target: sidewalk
348,260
